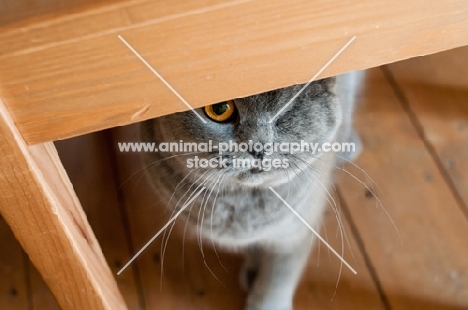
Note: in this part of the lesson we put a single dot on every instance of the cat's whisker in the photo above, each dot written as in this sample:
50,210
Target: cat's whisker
327,196
160,231
339,220
372,191
367,176
164,244
185,232
336,210
163,239
201,228
211,223
307,180
378,201
153,164
179,184
330,198
201,212
329,202
150,165
183,237
187,220
313,231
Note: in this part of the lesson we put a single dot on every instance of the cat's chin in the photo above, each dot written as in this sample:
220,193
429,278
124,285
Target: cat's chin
254,181
259,180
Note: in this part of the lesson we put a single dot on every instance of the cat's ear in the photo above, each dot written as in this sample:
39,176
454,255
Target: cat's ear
329,82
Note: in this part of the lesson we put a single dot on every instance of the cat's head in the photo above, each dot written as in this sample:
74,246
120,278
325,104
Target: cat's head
313,117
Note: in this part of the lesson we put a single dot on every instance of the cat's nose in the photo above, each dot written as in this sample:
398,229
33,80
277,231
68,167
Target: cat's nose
257,149
257,154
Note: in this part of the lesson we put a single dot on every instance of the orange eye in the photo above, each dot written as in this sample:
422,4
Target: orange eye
220,112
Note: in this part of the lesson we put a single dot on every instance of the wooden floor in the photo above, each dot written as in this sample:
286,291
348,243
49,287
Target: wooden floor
405,208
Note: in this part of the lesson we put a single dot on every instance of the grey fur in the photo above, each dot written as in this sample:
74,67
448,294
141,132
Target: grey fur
238,211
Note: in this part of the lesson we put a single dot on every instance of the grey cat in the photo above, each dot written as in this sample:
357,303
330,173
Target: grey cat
238,210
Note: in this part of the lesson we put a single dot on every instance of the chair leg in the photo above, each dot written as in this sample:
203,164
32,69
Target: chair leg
38,202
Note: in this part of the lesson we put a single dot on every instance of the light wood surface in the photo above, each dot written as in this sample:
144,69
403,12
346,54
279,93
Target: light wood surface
40,206
442,111
426,271
69,74
420,258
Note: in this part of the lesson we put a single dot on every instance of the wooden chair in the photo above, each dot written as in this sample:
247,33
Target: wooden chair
64,72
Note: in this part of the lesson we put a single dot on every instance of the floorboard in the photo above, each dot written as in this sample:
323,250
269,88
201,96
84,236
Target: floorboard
414,232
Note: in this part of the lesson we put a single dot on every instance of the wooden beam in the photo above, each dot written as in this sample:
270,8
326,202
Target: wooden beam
69,74
38,203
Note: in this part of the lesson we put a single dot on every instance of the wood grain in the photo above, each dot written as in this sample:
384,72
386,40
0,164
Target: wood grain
41,208
70,74
436,90
20,12
425,267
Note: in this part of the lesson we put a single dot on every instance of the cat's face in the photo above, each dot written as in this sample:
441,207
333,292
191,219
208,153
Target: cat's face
313,117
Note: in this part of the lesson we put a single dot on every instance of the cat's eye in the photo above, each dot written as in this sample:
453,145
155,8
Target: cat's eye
220,112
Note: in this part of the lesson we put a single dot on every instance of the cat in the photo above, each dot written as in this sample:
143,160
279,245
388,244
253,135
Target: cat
238,210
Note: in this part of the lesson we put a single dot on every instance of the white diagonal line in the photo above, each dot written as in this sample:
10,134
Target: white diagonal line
312,79
313,230
162,79
162,229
